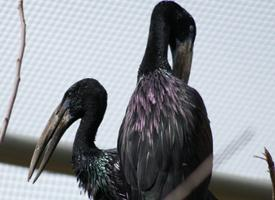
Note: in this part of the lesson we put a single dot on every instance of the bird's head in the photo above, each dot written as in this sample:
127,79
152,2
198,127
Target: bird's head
181,24
182,33
84,98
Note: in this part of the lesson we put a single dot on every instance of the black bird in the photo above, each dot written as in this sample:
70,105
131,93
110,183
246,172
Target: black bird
97,171
165,133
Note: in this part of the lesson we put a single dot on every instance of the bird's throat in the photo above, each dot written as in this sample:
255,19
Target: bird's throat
85,136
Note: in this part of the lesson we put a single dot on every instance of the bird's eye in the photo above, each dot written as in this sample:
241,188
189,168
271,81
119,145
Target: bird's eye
68,94
191,28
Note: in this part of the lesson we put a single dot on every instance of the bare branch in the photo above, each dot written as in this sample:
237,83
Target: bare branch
192,181
18,69
268,158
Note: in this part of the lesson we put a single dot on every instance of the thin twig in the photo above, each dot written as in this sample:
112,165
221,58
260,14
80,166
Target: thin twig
268,158
192,181
18,69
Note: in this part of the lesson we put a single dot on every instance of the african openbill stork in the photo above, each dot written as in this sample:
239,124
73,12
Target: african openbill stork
97,171
165,133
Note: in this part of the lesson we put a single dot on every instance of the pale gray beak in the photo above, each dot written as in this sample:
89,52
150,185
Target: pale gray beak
59,121
182,59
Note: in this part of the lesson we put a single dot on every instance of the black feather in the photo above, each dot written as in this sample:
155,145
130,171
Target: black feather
98,171
165,133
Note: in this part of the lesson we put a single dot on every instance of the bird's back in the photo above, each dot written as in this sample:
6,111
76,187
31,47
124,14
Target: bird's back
165,135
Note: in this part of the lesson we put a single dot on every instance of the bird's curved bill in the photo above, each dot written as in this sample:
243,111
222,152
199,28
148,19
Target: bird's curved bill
59,121
182,59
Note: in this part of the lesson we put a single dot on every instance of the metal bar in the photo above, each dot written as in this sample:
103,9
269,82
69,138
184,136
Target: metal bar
232,187
18,151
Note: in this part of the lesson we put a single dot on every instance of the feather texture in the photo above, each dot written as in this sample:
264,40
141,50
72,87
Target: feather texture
98,173
164,136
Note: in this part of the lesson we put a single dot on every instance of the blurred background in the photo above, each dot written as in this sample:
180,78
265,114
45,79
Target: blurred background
233,69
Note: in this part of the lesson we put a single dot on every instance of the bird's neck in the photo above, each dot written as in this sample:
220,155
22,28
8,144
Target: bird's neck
85,136
155,56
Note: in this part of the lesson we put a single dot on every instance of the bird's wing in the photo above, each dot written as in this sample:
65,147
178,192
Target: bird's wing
202,143
171,138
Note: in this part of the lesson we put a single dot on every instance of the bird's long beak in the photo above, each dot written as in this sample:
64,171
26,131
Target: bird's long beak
182,59
59,121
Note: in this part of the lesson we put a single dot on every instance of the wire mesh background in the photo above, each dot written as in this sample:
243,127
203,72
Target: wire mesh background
233,69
